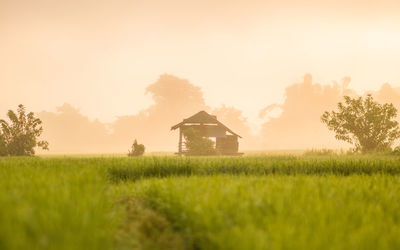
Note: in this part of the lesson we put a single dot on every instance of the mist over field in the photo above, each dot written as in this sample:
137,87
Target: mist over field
295,125
102,73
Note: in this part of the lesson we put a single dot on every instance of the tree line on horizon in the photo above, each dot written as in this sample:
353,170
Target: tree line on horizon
297,127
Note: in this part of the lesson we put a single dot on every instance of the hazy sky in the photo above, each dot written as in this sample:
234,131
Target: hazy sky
101,55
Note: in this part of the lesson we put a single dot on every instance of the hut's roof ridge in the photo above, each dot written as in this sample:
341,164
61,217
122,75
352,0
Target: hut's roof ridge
202,117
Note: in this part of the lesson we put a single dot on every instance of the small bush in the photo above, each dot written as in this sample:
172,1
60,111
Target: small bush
137,149
198,145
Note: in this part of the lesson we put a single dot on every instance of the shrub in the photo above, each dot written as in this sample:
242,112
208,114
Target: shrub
197,145
137,149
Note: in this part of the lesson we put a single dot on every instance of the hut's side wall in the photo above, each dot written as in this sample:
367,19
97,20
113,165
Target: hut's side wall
228,144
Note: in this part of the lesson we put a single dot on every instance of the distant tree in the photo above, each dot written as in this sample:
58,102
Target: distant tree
72,131
174,95
173,99
20,136
197,145
287,127
137,149
366,124
234,117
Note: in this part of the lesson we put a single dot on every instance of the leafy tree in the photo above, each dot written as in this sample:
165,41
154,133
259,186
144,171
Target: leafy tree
20,136
197,145
137,149
368,125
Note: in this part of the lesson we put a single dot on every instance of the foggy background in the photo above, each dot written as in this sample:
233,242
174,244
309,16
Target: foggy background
102,73
296,125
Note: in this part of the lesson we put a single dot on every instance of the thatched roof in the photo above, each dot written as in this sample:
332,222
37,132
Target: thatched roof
203,117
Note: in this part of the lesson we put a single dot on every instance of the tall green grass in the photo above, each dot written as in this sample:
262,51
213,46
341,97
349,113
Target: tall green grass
148,167
54,204
279,212
121,203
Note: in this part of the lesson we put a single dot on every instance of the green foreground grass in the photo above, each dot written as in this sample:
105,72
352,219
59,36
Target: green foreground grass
259,202
280,212
53,204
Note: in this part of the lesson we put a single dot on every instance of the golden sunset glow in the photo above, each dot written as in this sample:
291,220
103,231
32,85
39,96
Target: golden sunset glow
99,57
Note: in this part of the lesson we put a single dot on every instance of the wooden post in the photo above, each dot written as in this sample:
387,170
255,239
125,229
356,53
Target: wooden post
180,140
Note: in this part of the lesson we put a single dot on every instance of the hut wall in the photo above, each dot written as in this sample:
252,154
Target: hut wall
228,144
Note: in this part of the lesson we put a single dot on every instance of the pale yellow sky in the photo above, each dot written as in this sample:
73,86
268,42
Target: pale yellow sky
101,55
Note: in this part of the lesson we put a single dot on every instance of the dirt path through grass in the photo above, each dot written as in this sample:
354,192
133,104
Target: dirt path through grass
144,229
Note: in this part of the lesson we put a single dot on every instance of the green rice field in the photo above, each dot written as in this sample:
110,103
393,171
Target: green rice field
168,202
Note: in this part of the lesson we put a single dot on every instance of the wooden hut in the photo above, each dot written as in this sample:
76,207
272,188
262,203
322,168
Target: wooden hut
226,141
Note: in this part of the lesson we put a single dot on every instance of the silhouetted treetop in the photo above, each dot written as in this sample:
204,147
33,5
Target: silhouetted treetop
171,90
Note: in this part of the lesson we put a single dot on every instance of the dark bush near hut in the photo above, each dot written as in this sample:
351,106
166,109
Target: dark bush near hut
137,149
197,145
